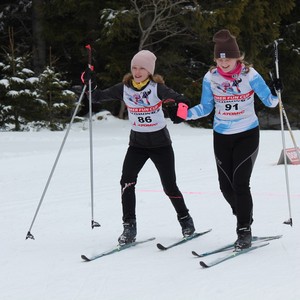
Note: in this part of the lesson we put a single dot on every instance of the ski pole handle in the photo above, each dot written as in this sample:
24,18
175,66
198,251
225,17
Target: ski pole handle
89,49
276,42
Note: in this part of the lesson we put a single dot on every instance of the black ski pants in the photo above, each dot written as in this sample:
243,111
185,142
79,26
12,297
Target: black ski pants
164,161
235,156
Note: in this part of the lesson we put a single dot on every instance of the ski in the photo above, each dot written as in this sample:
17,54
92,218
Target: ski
230,246
231,255
183,240
117,248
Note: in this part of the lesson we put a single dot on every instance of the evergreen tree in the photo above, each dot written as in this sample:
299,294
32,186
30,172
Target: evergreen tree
19,99
16,14
68,27
58,100
29,101
289,62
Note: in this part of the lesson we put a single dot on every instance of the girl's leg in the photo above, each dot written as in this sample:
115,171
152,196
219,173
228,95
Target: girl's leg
164,161
134,161
223,149
235,157
245,153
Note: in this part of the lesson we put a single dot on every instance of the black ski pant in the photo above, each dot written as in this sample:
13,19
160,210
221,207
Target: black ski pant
164,161
235,157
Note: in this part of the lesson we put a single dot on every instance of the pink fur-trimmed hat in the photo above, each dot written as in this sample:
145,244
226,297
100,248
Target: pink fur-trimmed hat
145,59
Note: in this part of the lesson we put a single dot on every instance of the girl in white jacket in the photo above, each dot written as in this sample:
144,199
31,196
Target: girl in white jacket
229,88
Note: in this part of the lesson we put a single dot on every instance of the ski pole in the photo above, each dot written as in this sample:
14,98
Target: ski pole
29,234
93,223
288,125
276,42
289,221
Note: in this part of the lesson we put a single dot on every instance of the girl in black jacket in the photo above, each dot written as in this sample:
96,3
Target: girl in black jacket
144,94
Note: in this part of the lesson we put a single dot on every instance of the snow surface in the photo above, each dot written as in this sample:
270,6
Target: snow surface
50,266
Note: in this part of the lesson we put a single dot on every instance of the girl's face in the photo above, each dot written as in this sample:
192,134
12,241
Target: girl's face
139,73
226,64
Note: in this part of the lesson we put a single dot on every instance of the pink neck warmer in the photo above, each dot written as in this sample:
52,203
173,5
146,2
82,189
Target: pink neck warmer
232,75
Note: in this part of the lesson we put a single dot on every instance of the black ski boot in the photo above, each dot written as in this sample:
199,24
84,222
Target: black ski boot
244,239
187,225
129,233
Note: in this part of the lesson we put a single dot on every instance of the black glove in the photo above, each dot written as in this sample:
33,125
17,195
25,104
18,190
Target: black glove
172,112
277,84
88,75
175,111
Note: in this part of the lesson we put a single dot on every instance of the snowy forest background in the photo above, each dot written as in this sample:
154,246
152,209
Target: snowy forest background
43,52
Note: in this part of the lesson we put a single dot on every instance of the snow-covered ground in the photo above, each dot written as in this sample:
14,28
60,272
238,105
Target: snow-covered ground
50,267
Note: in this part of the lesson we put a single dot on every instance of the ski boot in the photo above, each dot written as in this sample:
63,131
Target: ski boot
244,239
129,233
187,225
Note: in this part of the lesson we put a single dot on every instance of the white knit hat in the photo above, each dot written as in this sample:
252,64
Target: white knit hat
145,59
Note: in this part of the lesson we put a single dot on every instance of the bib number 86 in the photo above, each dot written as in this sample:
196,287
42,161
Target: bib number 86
145,120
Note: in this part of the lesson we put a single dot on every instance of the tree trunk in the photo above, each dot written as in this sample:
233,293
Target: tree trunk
39,47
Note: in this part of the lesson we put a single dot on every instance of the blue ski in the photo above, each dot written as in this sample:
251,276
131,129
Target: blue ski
118,248
230,246
183,240
230,255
